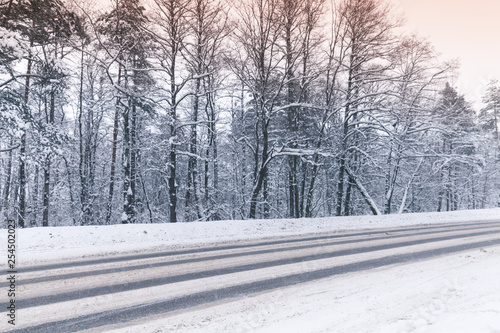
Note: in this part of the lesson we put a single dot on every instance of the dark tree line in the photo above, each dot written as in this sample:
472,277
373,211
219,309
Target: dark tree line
179,110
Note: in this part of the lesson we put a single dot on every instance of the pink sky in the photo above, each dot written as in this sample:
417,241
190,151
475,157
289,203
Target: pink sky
465,29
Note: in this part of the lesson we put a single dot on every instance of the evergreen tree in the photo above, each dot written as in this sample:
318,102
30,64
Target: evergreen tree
455,146
489,116
128,44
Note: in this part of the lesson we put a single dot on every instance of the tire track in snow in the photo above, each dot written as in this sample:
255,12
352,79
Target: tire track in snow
115,288
166,255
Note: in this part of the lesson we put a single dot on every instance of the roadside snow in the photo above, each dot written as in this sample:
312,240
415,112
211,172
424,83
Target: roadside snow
36,245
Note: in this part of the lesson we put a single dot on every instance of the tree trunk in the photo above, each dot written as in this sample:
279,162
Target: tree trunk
291,206
328,193
22,152
113,154
314,173
302,190
8,181
265,195
46,171
85,164
212,148
46,194
262,171
255,194
146,197
70,189
192,176
347,199
127,189
133,164
290,12
22,182
405,194
340,184
388,183
364,193
294,200
216,216
172,186
310,192
36,191
345,132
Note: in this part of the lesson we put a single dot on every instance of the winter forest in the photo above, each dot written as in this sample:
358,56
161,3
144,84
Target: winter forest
132,111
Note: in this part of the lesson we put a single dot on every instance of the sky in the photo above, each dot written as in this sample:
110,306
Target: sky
467,30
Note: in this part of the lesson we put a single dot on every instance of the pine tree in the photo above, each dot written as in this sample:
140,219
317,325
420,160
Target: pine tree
42,23
128,42
489,116
457,118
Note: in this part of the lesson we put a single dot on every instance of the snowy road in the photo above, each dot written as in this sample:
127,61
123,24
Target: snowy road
119,291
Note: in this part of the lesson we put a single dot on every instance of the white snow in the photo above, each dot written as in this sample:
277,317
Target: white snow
456,293
12,42
124,217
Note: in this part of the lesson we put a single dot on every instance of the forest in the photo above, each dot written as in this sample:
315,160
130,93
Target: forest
156,111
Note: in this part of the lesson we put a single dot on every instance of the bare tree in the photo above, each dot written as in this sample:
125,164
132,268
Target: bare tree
368,41
416,76
170,34
208,27
258,68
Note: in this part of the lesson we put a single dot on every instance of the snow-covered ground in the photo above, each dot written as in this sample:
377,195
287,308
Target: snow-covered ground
456,293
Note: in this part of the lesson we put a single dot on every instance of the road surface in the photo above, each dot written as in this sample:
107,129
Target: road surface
95,294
